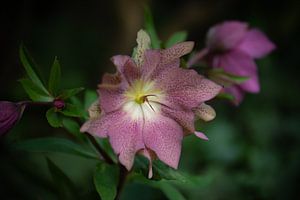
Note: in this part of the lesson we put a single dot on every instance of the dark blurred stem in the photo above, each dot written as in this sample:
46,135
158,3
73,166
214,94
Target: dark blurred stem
122,180
100,150
32,103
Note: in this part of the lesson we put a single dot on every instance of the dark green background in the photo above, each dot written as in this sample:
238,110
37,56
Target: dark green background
254,149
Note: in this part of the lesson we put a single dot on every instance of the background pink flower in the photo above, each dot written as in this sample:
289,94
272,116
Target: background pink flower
233,47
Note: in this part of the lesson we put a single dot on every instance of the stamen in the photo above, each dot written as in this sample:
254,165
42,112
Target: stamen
150,104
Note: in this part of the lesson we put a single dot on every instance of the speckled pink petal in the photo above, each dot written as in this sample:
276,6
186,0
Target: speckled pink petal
111,79
237,92
176,51
157,61
226,35
186,87
184,117
125,137
192,96
201,135
100,125
163,135
112,97
256,44
150,156
241,64
126,67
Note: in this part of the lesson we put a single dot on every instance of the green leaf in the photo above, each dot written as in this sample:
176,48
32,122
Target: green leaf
225,78
90,97
170,191
70,92
29,64
168,173
54,118
65,188
74,128
55,76
55,145
177,37
160,170
227,96
34,92
106,180
166,186
71,111
149,26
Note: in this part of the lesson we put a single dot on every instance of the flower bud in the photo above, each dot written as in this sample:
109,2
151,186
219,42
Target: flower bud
59,104
10,113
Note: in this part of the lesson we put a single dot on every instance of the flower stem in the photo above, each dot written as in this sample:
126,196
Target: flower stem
34,103
122,180
100,150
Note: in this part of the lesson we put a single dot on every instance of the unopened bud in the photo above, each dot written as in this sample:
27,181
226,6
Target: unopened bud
10,113
59,104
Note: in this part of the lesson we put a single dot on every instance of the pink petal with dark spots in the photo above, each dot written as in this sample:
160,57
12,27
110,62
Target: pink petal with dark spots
176,51
184,117
163,135
256,44
111,97
156,61
186,87
127,67
111,79
125,137
99,126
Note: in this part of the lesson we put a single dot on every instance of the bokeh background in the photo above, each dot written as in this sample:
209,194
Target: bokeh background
254,149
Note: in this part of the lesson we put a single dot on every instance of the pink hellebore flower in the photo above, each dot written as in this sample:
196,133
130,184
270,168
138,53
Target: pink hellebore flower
233,46
147,107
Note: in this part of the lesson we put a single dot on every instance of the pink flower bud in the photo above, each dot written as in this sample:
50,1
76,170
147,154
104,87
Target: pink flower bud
10,113
59,104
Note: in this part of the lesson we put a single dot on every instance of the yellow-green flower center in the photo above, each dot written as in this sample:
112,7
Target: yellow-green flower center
143,99
141,90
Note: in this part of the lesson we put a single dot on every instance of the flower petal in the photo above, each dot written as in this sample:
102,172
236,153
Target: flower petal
186,87
184,117
126,67
112,97
99,126
176,51
125,137
256,44
201,135
163,135
150,155
111,79
205,112
237,92
226,35
157,61
240,64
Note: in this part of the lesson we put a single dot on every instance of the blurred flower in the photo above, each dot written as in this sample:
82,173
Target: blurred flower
148,106
10,113
233,46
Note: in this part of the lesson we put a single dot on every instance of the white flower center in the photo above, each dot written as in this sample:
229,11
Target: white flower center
143,100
